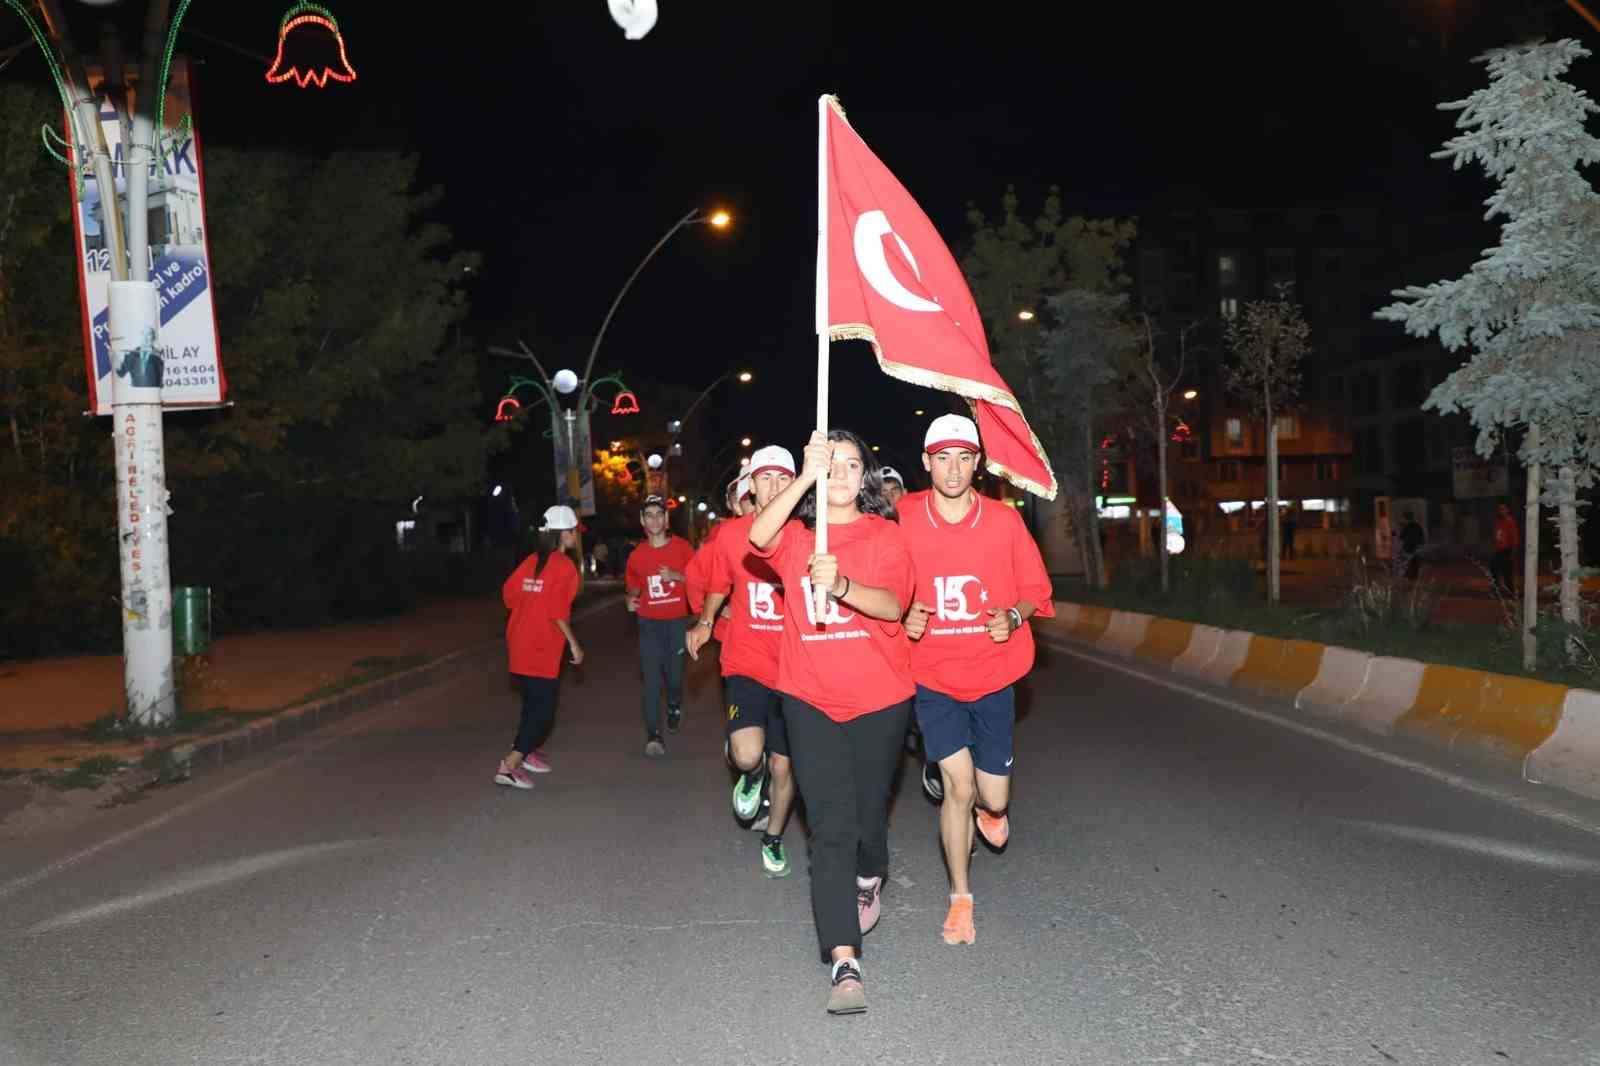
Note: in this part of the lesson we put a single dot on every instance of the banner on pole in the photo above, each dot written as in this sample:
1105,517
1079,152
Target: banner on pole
179,262
574,465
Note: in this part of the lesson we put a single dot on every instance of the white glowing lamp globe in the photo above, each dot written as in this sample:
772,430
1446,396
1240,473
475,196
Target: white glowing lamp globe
654,462
1175,543
635,17
565,382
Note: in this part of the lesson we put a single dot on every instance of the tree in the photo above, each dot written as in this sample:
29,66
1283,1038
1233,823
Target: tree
1148,381
1530,307
1054,265
1267,340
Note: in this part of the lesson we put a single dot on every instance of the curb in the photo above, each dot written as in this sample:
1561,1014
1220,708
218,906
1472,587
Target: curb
184,760
1547,734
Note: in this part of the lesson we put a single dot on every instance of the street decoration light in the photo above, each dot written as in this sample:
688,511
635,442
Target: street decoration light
310,34
626,403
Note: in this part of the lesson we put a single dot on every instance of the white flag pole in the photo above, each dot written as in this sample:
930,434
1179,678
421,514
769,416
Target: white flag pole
821,594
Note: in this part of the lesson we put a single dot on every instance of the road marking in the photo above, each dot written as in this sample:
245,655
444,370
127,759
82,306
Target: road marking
1465,784
338,731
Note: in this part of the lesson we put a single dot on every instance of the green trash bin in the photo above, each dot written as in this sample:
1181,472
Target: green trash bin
191,619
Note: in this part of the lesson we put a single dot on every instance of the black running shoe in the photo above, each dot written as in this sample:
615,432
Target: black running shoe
674,716
932,782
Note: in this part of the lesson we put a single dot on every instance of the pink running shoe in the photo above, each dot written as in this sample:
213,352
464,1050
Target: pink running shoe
869,901
516,777
535,763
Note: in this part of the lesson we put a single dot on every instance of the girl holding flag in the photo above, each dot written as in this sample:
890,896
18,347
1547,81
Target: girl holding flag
845,673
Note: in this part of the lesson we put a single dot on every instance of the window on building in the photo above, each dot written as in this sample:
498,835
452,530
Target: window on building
1233,428
1229,307
1288,427
1327,470
1228,269
1228,470
1280,265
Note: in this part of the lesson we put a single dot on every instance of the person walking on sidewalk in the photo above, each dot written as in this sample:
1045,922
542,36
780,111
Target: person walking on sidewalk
654,585
758,743
845,676
539,594
979,579
1507,539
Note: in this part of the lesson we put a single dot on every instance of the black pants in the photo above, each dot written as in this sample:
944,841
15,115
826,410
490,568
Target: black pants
538,711
844,770
1500,568
661,652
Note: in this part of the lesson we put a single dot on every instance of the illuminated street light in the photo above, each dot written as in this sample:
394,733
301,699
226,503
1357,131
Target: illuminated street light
918,412
744,442
683,499
1026,316
1189,394
745,377
720,219
701,505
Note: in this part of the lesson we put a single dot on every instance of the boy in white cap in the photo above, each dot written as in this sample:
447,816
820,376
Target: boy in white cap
979,579
894,486
758,743
654,582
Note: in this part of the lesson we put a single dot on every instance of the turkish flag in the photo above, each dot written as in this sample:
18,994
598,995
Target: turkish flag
891,281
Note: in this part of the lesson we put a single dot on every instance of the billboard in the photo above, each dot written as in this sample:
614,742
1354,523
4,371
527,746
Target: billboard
179,262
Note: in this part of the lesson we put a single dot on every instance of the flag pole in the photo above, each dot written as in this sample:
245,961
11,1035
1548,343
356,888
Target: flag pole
821,594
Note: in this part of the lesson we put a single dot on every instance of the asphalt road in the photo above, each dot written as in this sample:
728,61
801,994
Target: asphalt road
1185,883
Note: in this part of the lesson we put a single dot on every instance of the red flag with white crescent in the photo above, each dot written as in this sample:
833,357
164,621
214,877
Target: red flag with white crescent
892,281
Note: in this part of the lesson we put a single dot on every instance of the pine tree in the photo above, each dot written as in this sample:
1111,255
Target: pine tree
1529,309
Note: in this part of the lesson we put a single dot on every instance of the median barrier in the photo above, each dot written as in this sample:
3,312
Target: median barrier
1231,655
1165,639
1276,667
1090,623
1389,692
1204,643
1570,757
1514,718
1124,633
1445,699
1341,675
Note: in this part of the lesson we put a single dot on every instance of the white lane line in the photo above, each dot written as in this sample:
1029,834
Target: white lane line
205,877
1465,784
1511,851
345,727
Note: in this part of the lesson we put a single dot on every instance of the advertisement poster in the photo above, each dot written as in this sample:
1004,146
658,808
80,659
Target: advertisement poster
579,496
180,263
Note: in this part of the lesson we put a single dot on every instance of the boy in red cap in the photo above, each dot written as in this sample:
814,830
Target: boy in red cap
979,579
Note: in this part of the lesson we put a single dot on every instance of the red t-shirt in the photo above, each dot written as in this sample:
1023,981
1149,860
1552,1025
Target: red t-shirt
659,597
751,643
986,560
1506,534
536,601
852,665
699,577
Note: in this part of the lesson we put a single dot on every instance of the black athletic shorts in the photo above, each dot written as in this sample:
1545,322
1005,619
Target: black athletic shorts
753,705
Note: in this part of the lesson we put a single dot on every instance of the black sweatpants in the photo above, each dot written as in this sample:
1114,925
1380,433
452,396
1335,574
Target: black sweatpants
661,654
538,711
844,770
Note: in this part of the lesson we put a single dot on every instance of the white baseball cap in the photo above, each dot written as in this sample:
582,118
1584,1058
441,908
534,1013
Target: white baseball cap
889,473
951,431
772,457
559,517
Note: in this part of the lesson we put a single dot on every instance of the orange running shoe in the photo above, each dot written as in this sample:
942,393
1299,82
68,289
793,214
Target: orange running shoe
958,927
996,828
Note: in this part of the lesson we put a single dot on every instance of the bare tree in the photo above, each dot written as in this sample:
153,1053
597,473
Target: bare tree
1268,338
1150,382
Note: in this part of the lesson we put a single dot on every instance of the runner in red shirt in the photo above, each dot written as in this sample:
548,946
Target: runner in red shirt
757,740
539,594
979,568
846,684
739,502
654,582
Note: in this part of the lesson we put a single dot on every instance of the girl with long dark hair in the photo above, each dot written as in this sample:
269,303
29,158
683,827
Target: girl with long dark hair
845,676
539,594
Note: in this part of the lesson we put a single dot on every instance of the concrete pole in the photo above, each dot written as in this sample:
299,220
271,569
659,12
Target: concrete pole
141,505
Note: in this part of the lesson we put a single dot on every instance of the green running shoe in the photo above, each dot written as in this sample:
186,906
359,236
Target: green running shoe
747,793
774,862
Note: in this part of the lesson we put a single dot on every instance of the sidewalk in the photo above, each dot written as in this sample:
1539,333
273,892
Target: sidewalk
46,704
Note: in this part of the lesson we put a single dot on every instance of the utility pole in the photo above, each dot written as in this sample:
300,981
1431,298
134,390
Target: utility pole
135,323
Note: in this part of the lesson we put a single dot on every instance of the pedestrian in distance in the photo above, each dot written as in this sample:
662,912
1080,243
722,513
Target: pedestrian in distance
1412,538
745,587
894,486
844,669
1507,539
654,589
979,579
539,595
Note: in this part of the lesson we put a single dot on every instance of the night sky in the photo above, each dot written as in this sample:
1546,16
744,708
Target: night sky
566,150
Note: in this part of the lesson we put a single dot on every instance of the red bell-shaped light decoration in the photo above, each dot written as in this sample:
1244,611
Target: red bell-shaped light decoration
310,49
508,404
626,403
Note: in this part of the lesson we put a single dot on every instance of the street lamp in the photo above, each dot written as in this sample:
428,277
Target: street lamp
1026,316
744,442
1190,394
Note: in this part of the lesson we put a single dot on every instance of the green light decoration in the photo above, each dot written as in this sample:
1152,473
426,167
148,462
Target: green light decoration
509,407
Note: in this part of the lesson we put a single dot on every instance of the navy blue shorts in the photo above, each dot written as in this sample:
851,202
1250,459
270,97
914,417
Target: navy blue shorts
753,705
984,727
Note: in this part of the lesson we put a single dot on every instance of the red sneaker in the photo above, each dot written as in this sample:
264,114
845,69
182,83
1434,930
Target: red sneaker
995,828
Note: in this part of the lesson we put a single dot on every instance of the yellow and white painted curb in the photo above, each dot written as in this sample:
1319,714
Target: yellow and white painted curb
1551,731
